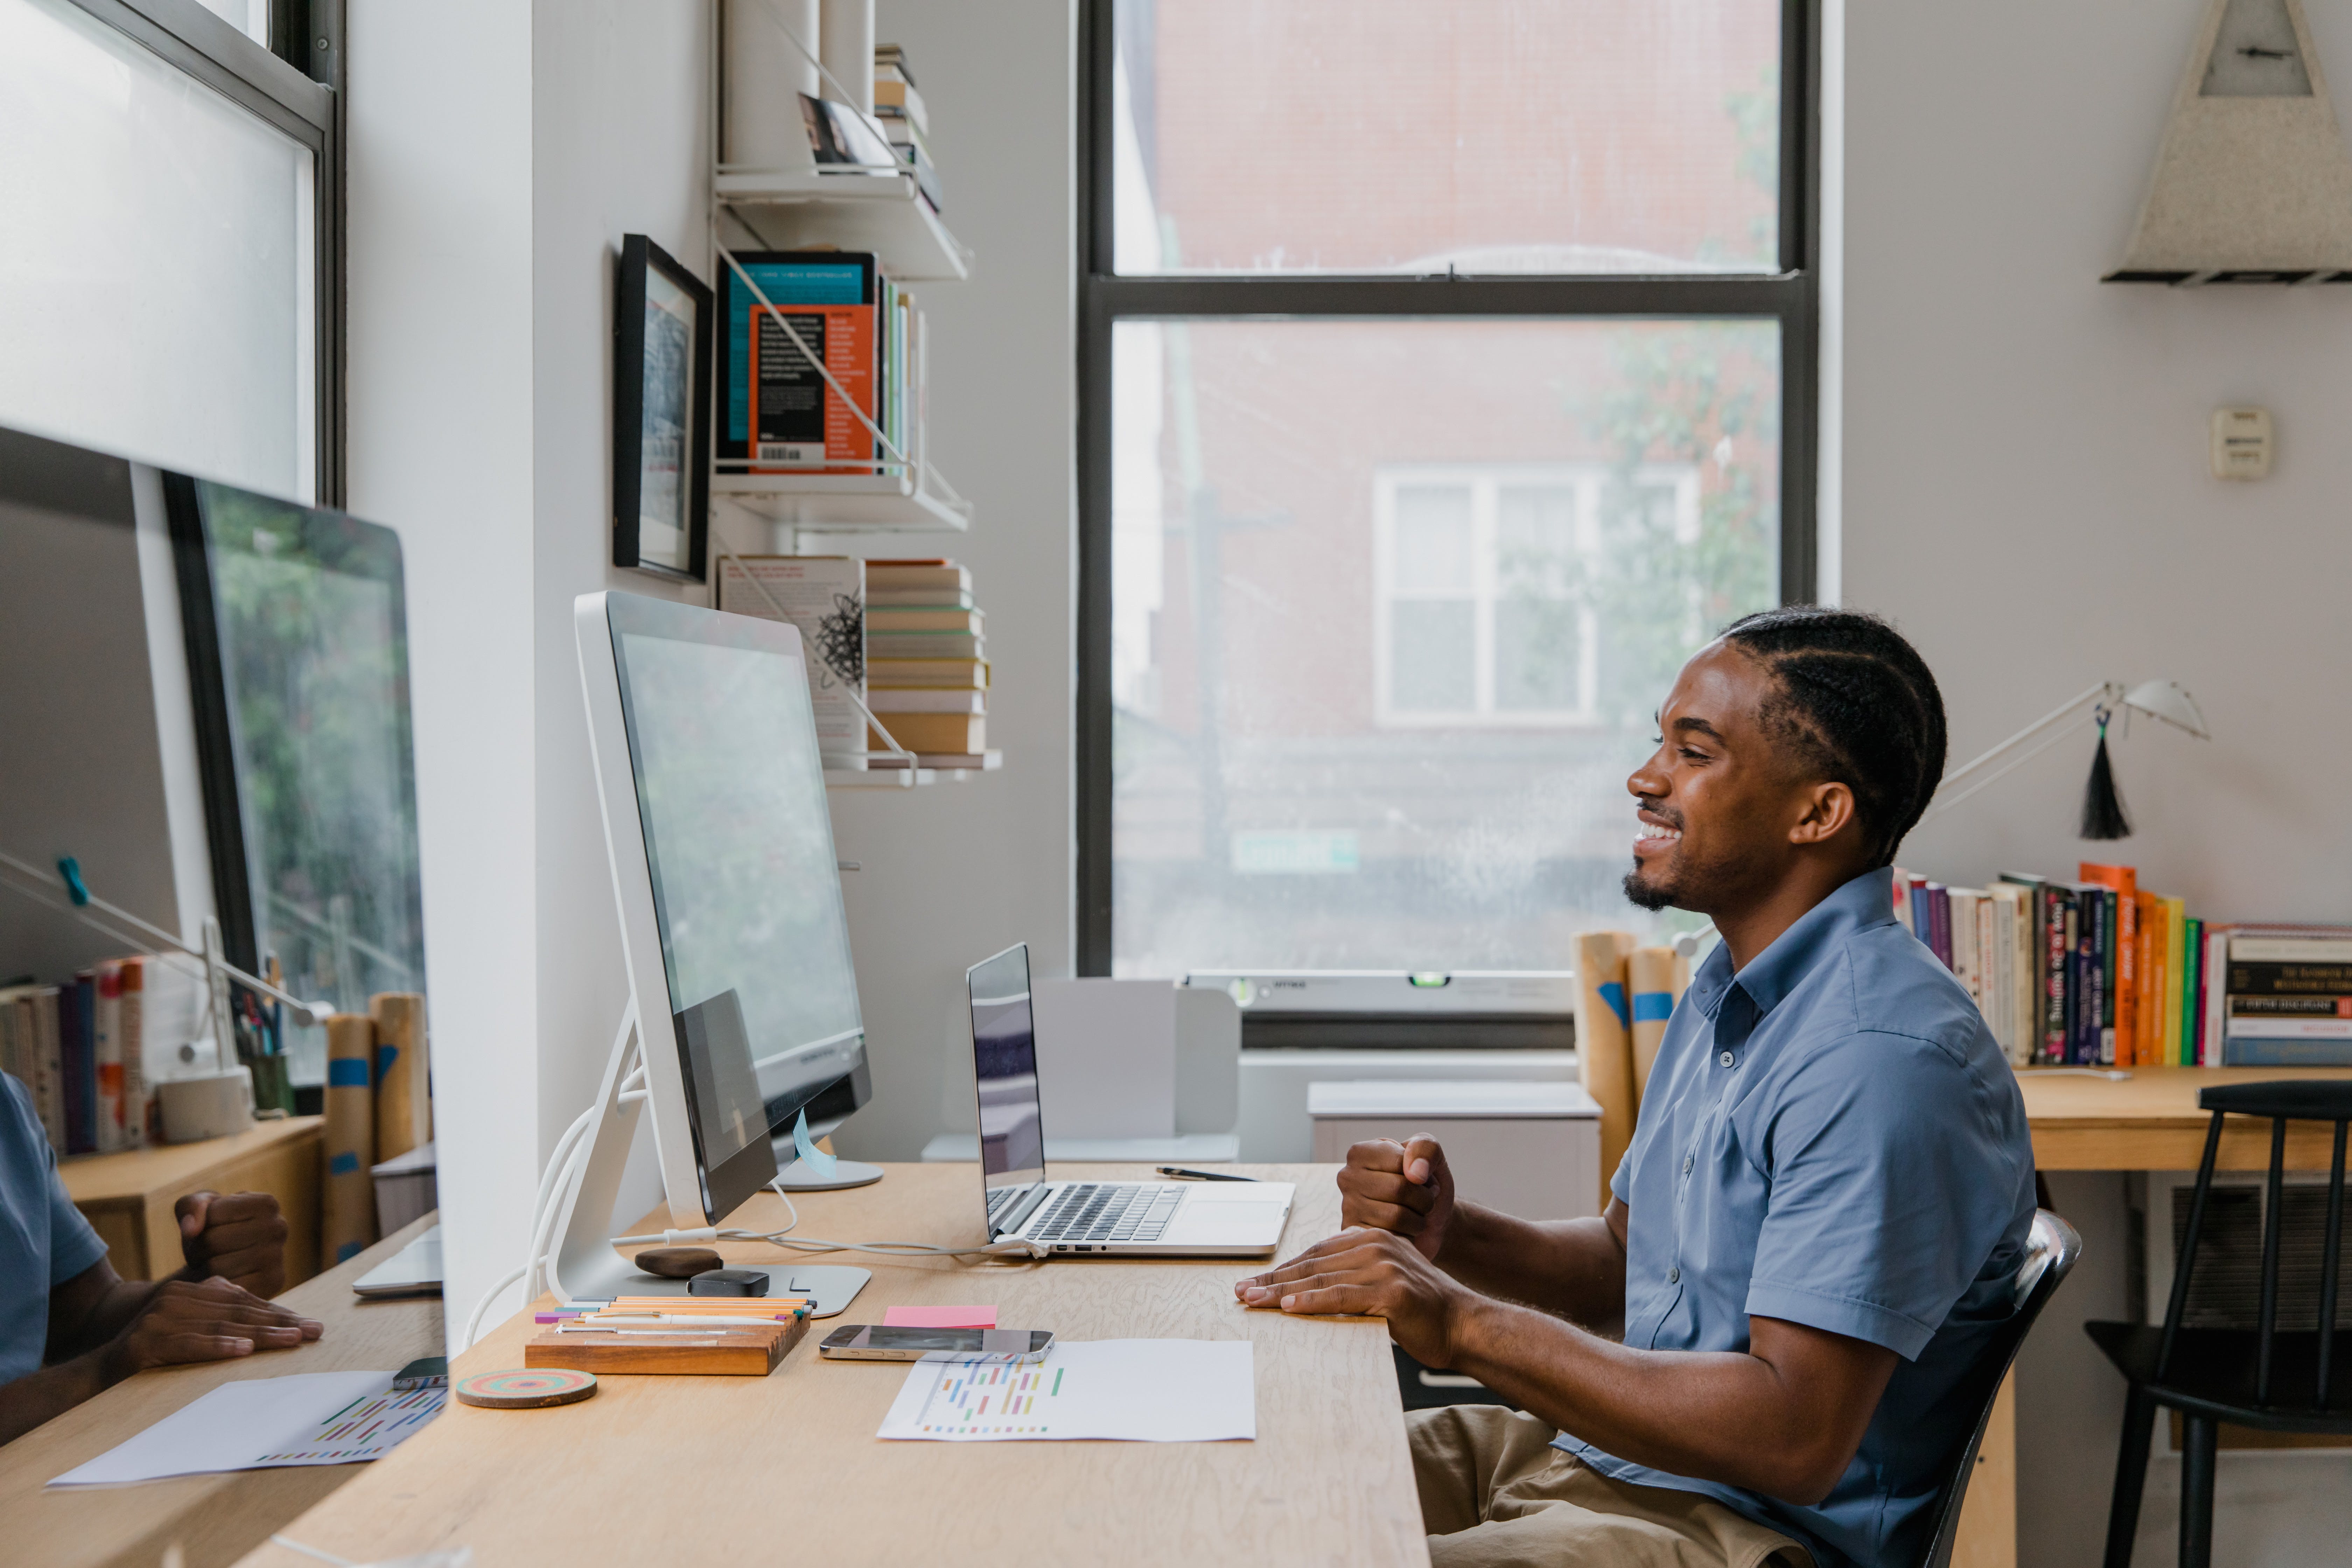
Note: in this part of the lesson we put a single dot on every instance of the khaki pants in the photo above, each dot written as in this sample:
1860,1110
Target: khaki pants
1495,1494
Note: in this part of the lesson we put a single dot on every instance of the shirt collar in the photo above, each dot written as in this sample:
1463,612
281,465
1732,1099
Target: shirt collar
1860,904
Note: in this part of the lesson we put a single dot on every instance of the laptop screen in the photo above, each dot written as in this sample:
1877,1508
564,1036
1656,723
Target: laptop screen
1004,1064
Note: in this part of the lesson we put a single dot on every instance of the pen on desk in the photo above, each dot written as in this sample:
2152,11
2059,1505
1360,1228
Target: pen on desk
1178,1173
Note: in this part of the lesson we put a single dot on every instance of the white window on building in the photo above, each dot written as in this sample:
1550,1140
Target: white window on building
1486,580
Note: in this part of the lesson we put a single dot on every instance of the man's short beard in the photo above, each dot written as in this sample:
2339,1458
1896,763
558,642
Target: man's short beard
1647,895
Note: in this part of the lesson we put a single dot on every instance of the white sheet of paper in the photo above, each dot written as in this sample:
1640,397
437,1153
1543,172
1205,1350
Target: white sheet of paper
1106,1057
1143,1390
265,1422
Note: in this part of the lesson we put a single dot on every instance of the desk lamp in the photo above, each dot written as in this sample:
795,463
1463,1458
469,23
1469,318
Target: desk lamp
2103,809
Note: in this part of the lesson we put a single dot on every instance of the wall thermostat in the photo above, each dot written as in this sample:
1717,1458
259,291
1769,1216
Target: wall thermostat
2242,443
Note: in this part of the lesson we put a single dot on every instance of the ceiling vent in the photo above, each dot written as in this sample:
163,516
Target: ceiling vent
2252,184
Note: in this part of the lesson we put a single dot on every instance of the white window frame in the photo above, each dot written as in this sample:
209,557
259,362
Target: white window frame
1486,482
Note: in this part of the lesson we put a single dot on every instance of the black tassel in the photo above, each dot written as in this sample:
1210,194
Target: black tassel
2103,809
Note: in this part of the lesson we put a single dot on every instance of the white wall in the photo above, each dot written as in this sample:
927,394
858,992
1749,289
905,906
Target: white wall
2024,488
955,873
499,151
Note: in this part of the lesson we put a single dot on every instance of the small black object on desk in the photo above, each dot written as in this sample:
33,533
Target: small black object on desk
729,1282
1178,1173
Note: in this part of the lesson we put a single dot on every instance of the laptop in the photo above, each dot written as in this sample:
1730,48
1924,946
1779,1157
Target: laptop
1131,1219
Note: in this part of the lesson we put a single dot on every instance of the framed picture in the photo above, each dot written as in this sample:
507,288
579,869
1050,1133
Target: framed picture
661,414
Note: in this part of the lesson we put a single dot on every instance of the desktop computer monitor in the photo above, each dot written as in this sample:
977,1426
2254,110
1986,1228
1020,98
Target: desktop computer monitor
729,892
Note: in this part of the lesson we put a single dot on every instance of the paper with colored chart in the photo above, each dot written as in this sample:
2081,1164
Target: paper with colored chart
1142,1391
266,1422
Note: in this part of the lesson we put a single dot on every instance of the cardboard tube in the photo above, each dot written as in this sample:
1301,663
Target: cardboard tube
347,1217
764,76
1604,1043
848,49
1652,982
404,1093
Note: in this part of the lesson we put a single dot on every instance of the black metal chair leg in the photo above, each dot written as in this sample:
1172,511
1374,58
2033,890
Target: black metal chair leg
2198,1443
2131,1476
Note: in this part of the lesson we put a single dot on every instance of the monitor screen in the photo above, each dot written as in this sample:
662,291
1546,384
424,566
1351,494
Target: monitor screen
747,891
1004,1063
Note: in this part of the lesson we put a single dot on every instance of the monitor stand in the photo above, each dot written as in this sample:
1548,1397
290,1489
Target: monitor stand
584,1267
800,1176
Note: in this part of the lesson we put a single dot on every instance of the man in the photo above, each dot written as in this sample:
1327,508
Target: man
61,1303
1815,1229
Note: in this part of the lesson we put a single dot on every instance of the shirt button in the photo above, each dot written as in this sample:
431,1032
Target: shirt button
1725,1058
1674,1276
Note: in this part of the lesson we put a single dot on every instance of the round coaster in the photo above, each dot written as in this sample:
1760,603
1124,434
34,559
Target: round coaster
525,1388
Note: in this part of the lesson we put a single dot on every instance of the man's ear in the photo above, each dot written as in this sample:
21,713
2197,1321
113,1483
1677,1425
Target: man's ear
1827,810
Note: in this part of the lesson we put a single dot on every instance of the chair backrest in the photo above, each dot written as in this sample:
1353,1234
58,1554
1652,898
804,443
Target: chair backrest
2051,1249
2281,1101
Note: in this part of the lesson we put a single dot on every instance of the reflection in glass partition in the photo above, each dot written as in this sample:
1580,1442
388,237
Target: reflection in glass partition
314,661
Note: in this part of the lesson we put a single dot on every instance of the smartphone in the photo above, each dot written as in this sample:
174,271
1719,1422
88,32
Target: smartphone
873,1341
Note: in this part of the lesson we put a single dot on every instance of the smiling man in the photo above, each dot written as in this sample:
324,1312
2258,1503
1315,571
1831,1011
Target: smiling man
1752,1356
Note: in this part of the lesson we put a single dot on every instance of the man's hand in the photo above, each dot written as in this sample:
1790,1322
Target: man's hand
1374,1274
1399,1187
208,1320
240,1239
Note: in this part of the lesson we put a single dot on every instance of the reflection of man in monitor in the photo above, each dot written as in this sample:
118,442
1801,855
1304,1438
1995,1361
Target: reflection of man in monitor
1004,1037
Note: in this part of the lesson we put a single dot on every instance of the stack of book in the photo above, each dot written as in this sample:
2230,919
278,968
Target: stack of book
2284,997
80,1050
927,662
904,118
2089,972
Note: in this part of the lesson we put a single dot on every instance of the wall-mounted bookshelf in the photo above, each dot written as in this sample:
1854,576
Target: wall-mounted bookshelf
856,209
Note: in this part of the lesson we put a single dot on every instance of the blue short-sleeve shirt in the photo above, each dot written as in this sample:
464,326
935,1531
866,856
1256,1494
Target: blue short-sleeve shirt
44,1240
1830,1137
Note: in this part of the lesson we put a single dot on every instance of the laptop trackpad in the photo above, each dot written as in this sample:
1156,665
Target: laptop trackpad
1227,1225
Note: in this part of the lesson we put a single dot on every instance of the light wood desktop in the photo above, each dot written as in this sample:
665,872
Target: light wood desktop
714,1469
127,1197
213,1519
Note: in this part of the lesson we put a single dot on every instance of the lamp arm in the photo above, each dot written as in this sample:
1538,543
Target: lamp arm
2106,688
1944,802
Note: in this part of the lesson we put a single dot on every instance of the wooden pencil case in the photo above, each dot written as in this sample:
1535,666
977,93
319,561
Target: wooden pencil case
735,1350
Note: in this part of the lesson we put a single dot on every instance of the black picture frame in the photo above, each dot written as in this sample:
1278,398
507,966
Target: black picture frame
647,346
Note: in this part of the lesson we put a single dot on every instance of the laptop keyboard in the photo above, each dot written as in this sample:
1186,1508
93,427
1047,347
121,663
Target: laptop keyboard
1107,1212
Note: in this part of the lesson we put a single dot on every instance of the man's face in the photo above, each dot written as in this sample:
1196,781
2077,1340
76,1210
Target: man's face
1719,795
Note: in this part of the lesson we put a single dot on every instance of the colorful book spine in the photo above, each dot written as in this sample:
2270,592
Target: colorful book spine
139,1111
107,1111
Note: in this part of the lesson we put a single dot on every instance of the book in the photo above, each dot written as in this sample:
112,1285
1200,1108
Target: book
920,699
892,619
777,411
903,96
140,1112
2290,1006
2179,1009
823,596
2272,979
2270,1026
106,1058
882,674
890,60
897,575
77,1004
2281,1053
922,732
918,598
1961,903
924,645
2122,966
2013,906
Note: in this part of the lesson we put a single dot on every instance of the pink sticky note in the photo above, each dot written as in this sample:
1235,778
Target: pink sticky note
940,1318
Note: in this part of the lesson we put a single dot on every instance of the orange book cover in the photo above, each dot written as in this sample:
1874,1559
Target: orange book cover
789,433
2153,968
2125,881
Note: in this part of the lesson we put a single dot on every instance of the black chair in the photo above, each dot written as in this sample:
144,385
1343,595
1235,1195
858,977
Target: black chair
2278,1379
2049,1253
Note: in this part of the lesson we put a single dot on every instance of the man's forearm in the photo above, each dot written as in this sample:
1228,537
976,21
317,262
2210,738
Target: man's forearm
1721,1417
1573,1267
52,1390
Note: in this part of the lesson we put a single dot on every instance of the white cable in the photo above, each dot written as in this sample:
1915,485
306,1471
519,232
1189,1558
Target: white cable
473,1324
293,1545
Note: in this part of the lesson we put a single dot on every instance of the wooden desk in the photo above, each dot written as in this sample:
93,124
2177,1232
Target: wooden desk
214,1519
711,1469
127,1197
2149,1121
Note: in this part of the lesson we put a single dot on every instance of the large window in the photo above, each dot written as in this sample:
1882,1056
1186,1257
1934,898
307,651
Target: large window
169,288
1447,381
